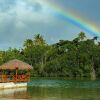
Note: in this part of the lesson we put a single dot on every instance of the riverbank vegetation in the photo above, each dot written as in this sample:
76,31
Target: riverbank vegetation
79,57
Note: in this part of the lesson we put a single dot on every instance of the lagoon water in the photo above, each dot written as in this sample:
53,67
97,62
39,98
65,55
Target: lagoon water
55,89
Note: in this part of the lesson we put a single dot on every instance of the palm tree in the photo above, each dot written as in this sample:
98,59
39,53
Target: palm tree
39,40
28,43
95,38
81,36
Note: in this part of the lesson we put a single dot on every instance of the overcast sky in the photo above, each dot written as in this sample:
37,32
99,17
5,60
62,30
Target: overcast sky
21,19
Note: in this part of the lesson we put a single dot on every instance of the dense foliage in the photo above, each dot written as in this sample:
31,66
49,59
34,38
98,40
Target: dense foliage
77,58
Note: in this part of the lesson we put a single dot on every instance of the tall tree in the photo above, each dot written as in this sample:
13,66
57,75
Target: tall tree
95,38
38,40
81,36
28,43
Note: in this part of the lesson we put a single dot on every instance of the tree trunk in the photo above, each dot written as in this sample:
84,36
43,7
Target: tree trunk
93,73
42,64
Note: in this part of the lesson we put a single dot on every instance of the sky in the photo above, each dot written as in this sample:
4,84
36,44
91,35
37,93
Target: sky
22,19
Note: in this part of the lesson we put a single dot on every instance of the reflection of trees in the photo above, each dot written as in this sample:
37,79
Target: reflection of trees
38,93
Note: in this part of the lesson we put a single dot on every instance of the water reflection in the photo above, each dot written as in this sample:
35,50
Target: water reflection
39,89
38,93
59,89
12,94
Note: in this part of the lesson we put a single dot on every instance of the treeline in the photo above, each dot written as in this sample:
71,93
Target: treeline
77,58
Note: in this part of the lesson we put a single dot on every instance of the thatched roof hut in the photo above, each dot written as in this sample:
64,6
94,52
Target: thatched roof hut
16,64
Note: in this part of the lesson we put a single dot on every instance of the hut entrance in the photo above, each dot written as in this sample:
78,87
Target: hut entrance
15,71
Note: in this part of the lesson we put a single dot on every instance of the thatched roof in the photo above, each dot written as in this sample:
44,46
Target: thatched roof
13,64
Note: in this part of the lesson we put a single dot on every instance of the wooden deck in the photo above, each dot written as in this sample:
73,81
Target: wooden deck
14,78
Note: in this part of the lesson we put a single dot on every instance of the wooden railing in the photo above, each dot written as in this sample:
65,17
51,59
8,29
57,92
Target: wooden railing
14,78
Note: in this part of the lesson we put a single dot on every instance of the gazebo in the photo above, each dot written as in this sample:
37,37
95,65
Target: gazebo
15,71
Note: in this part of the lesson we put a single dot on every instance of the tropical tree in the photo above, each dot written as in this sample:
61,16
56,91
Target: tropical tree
81,36
28,43
38,40
95,38
76,58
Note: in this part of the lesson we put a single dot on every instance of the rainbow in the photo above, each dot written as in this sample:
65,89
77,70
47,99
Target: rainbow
71,17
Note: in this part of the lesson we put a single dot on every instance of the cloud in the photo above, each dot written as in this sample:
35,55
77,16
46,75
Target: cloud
23,12
18,17
21,19
6,4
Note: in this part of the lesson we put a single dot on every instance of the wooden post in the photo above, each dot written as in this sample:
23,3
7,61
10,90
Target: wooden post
28,75
16,74
2,76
